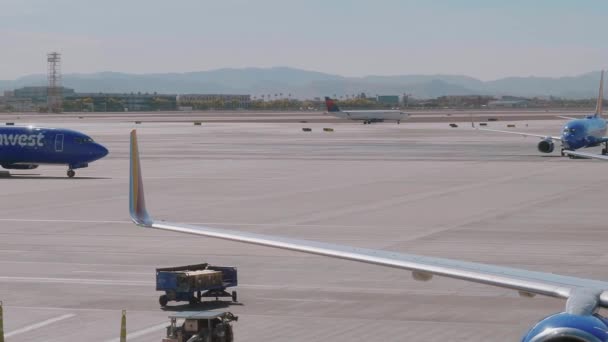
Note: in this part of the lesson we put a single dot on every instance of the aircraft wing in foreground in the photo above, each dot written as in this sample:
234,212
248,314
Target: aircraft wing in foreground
580,320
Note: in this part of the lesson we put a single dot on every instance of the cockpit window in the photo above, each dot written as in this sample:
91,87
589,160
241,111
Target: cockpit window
569,130
83,140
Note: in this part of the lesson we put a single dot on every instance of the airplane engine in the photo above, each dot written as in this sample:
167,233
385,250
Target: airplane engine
19,166
565,327
546,146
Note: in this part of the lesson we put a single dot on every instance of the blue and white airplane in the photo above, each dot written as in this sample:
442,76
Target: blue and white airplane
576,133
580,321
24,148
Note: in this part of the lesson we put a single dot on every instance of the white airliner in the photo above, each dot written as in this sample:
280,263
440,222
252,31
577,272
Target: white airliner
367,116
579,322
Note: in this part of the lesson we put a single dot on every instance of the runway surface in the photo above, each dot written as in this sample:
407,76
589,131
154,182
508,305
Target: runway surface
70,260
278,116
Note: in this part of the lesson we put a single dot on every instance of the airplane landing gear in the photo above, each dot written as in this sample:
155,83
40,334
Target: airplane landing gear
605,149
71,173
563,154
398,122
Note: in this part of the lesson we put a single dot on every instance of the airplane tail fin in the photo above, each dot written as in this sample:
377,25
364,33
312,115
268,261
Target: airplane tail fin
600,97
137,201
331,105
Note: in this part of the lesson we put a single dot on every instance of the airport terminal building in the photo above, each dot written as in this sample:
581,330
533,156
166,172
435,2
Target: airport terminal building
228,101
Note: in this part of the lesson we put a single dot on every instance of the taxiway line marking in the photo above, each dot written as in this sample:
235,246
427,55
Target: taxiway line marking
39,325
142,332
83,281
115,272
192,223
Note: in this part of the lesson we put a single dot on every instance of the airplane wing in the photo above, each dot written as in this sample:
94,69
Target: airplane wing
523,134
584,295
586,155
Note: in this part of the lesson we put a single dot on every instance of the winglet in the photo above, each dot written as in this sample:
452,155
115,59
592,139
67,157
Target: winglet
600,97
137,201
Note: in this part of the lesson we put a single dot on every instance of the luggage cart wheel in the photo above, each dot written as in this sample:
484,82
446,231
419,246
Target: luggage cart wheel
234,298
163,300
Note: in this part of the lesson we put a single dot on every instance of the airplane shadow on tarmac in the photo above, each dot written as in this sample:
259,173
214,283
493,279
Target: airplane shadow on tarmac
202,306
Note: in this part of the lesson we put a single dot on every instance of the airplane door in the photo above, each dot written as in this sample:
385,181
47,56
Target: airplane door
59,143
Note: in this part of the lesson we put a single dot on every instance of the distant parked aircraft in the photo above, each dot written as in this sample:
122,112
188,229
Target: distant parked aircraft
367,116
24,148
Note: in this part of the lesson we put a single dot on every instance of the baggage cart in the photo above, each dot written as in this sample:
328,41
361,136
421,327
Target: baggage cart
192,283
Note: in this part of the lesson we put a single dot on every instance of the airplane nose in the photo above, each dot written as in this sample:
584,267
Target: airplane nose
101,151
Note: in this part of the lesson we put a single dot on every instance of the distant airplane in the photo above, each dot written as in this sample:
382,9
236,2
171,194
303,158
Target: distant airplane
367,116
24,148
580,321
576,133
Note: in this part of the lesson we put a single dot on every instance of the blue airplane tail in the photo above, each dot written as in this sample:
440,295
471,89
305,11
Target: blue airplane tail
600,98
331,105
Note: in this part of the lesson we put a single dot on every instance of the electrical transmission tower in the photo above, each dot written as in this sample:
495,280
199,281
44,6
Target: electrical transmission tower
55,92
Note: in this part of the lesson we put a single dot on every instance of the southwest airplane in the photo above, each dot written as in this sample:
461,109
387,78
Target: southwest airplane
24,148
579,322
367,116
576,133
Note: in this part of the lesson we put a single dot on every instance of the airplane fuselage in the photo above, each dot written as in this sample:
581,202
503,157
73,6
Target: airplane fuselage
371,115
28,147
580,133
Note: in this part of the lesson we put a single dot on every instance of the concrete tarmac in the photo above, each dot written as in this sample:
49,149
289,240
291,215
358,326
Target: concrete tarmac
308,116
70,260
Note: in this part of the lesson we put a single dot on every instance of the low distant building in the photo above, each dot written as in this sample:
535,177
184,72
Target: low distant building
389,100
464,101
509,103
39,94
119,102
10,103
232,101
13,104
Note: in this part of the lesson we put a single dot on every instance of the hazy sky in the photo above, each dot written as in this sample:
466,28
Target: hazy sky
486,39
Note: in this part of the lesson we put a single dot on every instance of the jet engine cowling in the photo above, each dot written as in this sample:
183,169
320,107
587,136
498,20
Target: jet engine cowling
19,166
565,327
546,146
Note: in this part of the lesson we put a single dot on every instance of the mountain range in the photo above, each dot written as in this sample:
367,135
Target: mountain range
308,84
